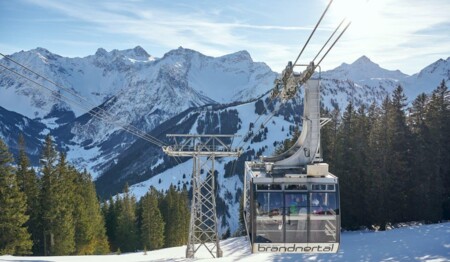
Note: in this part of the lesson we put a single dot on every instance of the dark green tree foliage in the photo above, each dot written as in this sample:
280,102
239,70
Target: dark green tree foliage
58,200
259,107
175,211
29,184
67,202
348,165
126,231
329,135
14,237
90,232
169,212
151,222
400,158
393,167
110,212
61,209
377,192
49,197
437,118
422,154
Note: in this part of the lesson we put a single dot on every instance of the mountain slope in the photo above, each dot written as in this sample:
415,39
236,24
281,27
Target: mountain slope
130,87
14,124
428,78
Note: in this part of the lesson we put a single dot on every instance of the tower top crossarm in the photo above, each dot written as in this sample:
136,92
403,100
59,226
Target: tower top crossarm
189,145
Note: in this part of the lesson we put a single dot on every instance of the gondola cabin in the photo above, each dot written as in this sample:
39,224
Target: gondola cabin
291,210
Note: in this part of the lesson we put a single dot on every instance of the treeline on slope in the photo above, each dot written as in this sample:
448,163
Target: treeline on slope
393,161
56,211
158,220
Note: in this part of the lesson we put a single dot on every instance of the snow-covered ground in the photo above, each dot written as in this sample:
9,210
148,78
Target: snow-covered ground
411,243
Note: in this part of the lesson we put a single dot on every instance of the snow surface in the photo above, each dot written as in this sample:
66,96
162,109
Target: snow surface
411,243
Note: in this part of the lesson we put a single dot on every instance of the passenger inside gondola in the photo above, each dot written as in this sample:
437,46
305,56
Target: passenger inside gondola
296,217
269,222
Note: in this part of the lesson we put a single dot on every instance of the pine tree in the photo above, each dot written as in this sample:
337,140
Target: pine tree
379,156
14,237
48,196
57,202
328,137
346,167
64,241
169,212
185,215
175,211
438,122
422,155
360,174
90,232
400,160
152,223
29,184
126,231
110,213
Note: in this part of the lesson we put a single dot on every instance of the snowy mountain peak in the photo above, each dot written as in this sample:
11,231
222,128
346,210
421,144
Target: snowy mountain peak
430,76
440,67
42,54
364,61
136,54
140,52
40,50
101,52
182,53
240,56
363,68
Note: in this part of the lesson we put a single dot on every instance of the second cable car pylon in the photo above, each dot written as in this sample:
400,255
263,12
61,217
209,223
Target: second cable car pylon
203,222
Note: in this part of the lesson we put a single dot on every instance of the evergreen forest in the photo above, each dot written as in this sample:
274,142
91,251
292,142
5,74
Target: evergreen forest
55,211
392,161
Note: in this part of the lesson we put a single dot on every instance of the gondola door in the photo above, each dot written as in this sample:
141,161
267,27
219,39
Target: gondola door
268,218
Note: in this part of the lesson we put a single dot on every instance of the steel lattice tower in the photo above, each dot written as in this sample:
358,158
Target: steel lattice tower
203,149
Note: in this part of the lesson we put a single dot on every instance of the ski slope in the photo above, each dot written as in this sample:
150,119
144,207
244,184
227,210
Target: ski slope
410,243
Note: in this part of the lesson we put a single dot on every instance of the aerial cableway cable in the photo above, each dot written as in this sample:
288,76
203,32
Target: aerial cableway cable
295,63
312,33
332,45
326,43
101,114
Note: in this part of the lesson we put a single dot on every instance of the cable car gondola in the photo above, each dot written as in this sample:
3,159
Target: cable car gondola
291,211
291,201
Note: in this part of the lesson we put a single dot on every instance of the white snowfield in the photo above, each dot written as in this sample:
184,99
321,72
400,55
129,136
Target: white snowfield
411,243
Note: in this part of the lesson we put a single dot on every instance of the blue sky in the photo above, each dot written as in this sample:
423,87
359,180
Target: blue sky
397,34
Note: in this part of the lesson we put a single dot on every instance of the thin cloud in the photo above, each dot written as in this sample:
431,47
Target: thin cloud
399,30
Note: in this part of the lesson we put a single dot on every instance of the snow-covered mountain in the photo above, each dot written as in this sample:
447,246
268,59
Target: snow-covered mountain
363,82
33,132
429,77
97,78
129,86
